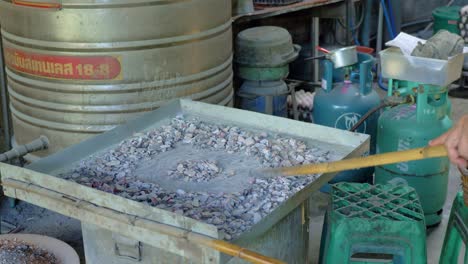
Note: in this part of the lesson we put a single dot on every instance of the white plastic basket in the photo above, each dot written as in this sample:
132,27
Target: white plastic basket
395,65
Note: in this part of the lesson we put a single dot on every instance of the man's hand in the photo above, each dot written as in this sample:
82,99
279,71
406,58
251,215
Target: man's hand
456,142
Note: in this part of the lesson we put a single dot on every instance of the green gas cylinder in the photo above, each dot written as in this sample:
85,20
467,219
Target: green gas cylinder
412,126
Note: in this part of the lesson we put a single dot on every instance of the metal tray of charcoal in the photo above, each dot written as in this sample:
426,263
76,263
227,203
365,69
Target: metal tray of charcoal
186,165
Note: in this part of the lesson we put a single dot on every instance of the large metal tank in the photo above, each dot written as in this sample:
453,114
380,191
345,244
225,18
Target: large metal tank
82,67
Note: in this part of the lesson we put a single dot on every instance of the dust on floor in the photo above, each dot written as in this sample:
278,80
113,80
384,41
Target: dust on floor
31,219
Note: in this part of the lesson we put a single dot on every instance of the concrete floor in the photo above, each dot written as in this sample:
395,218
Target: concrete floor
435,236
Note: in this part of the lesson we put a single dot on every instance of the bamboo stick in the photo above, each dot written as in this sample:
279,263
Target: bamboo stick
464,180
357,163
152,226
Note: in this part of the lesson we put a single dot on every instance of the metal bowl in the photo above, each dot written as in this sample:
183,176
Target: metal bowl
343,57
265,46
62,251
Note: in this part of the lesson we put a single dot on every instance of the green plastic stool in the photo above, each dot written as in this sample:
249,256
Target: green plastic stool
457,231
373,224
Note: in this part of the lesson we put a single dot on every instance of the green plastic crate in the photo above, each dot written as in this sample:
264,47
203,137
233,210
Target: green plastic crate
457,232
373,224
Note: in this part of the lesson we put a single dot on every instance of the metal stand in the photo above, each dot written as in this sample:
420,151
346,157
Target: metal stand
378,47
315,34
3,94
348,4
294,101
462,90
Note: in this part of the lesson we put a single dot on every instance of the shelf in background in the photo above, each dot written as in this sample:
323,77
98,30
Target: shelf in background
329,9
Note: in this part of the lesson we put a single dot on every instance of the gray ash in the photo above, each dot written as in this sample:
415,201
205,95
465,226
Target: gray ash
233,213
195,171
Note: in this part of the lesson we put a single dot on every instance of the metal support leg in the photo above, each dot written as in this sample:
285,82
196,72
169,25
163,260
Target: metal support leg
294,102
378,48
365,32
3,94
348,24
461,91
315,35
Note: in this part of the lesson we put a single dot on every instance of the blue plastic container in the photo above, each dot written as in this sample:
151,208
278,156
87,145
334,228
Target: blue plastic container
267,97
342,102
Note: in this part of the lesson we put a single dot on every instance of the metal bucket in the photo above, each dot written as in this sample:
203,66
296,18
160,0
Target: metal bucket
264,97
79,68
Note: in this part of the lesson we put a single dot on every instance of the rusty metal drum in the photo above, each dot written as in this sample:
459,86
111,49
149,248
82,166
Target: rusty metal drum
80,67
